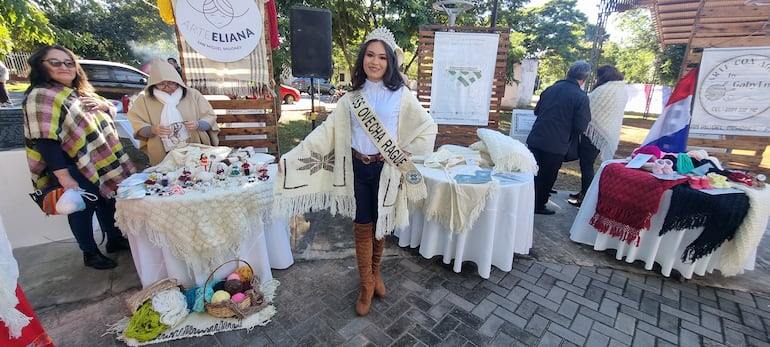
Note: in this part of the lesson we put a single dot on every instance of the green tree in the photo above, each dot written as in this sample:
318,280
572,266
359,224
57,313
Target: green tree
23,25
554,33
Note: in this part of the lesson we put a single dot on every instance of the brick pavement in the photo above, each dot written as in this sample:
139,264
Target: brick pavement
536,304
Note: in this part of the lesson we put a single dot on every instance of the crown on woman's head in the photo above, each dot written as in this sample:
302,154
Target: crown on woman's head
384,35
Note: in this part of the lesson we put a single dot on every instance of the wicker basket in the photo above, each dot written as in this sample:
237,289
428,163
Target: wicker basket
137,299
254,301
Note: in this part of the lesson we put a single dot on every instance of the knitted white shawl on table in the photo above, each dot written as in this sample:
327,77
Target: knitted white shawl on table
9,273
318,173
608,102
737,251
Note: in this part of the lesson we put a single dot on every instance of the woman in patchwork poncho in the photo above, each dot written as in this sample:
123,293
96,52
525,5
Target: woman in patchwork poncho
608,101
357,162
71,140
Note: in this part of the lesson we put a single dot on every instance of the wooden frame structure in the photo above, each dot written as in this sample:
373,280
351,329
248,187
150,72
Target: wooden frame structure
463,135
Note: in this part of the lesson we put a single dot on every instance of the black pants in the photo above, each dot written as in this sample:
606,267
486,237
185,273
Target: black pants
3,93
366,184
549,165
587,153
81,222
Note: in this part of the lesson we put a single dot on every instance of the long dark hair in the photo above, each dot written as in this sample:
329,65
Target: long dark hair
392,78
39,76
606,73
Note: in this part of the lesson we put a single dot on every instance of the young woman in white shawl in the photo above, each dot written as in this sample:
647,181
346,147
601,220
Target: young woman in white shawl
349,166
608,101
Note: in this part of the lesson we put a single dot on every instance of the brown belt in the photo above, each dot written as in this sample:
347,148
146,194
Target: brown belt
368,159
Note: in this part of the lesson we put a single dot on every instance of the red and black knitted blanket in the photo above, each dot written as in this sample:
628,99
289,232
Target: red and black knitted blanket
627,200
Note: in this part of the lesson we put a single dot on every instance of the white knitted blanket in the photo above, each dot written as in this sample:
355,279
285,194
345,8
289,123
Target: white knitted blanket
608,103
9,273
738,250
507,153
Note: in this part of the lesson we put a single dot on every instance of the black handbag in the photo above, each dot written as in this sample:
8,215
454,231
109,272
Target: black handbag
572,151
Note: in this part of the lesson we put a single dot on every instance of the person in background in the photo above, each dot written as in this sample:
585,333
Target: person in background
168,114
5,99
71,140
175,64
563,113
608,99
339,166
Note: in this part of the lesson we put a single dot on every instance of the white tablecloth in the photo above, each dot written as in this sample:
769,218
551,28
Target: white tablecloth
503,228
665,250
146,223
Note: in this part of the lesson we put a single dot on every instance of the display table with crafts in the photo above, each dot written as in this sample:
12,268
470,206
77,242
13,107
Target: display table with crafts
504,211
673,242
184,233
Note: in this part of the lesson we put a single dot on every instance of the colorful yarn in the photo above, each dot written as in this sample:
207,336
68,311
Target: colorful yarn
684,163
189,298
171,306
199,303
245,272
145,324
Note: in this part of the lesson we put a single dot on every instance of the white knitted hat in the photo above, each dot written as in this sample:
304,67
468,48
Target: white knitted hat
384,35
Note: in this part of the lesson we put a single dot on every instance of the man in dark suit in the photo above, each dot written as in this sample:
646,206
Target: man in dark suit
562,113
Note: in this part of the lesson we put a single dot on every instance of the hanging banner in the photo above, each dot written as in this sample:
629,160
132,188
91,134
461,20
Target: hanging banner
732,92
220,30
463,71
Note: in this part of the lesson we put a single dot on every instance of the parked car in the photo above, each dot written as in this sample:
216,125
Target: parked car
113,80
303,85
288,94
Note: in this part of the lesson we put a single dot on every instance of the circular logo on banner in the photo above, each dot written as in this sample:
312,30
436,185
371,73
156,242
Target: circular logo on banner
413,176
736,89
221,30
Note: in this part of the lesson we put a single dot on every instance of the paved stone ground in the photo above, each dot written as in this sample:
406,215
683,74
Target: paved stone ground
561,294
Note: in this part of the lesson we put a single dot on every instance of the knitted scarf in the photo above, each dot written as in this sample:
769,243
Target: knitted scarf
318,173
88,137
719,215
608,101
627,200
171,117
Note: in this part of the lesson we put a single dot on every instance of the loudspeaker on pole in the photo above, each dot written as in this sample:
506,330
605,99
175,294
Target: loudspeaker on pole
311,42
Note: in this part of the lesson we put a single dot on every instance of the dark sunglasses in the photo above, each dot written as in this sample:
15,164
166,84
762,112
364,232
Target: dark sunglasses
57,63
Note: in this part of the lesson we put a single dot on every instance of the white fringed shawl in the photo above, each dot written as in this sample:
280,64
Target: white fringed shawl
608,102
318,173
738,250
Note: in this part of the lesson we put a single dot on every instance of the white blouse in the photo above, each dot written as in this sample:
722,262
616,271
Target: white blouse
386,104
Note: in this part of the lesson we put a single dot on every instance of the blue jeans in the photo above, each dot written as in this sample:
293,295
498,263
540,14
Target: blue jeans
81,222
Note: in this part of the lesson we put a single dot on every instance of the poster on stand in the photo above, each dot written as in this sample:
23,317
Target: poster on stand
463,71
731,96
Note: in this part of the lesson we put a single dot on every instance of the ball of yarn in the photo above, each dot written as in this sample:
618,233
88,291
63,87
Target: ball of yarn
246,286
245,272
219,286
238,297
220,296
233,286
189,297
233,276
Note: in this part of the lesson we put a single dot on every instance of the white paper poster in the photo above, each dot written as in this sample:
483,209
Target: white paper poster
732,92
223,30
463,71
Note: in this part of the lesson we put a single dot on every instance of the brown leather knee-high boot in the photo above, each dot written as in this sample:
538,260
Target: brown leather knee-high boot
377,248
364,235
